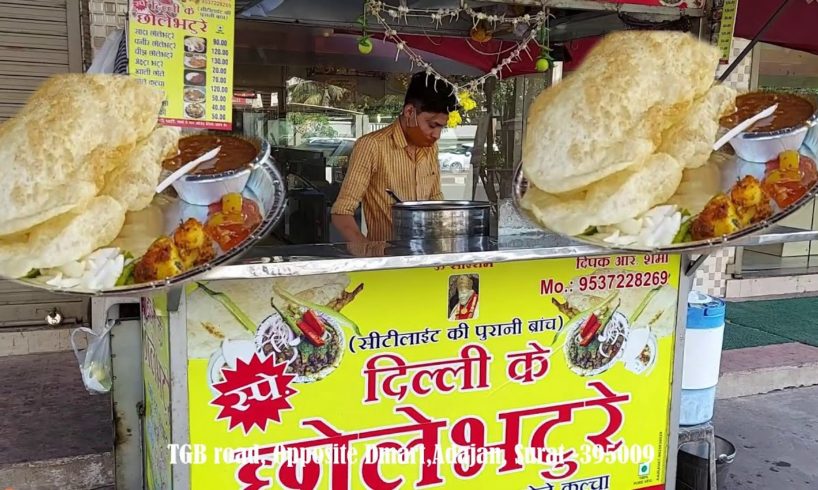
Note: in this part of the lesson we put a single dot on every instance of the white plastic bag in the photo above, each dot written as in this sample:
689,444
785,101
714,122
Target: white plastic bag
95,361
112,56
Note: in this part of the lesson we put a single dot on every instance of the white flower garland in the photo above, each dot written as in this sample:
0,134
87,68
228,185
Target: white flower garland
379,8
402,12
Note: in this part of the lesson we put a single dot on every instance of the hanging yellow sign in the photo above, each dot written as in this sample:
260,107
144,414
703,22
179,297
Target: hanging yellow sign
525,375
185,48
726,29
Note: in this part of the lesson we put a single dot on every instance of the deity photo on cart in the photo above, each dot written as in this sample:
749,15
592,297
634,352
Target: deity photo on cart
464,296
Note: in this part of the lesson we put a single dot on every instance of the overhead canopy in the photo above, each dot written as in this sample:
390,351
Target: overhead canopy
263,43
447,46
794,28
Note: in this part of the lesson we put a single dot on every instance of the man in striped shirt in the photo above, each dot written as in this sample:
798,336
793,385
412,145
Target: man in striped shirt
401,157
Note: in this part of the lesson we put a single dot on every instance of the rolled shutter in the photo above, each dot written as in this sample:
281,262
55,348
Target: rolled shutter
38,38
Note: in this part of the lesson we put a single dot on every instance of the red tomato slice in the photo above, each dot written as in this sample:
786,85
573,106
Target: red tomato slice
315,322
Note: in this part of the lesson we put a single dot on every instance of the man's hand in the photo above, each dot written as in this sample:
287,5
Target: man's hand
348,228
358,248
367,249
357,244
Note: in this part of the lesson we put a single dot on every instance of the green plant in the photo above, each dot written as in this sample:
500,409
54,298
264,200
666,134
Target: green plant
314,92
311,125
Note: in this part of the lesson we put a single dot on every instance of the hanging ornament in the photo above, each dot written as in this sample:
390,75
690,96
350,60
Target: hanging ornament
455,119
481,32
365,45
401,46
403,12
544,61
364,42
466,101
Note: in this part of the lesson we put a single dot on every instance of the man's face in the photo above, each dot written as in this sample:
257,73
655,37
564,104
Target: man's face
430,123
464,289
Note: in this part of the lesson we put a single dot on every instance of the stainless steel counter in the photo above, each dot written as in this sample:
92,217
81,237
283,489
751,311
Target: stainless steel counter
273,261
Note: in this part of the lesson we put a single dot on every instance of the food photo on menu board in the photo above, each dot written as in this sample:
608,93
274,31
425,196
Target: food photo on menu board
195,78
194,93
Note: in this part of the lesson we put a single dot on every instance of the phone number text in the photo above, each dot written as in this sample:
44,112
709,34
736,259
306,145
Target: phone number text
623,280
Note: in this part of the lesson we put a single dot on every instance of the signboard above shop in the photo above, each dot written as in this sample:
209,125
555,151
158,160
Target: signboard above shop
185,49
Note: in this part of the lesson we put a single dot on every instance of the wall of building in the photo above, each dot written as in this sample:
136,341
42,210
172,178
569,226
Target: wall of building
782,67
104,16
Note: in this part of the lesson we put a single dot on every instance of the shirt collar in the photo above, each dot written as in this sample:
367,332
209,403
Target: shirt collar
397,135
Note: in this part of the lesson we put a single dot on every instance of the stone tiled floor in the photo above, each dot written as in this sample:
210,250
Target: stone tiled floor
776,439
46,413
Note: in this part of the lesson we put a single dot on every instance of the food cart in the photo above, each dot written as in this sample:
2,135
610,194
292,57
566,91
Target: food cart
474,366
412,372
523,360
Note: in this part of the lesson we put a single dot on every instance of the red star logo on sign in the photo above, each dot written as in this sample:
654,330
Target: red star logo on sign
254,393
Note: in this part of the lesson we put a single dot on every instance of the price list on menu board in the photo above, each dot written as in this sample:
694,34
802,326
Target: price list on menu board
185,48
726,29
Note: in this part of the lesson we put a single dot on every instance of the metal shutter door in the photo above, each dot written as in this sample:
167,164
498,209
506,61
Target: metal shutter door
22,306
38,38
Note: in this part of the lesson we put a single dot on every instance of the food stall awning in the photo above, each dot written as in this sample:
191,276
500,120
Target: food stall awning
793,29
574,19
481,56
266,43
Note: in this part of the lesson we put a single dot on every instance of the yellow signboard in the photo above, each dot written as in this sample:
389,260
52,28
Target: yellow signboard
524,375
726,29
185,48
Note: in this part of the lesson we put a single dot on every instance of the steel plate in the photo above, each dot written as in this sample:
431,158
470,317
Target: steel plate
265,186
731,169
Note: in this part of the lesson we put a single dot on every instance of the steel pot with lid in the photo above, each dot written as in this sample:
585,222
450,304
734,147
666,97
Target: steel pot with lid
414,220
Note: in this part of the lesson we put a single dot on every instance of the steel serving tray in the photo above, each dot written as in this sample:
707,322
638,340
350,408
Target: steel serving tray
732,169
265,186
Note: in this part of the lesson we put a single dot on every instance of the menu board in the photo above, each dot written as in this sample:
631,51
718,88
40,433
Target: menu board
185,49
546,375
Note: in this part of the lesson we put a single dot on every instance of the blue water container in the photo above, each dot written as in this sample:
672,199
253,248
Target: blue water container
702,357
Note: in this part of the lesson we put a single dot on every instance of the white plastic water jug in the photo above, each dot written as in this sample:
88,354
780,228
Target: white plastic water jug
702,357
